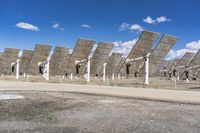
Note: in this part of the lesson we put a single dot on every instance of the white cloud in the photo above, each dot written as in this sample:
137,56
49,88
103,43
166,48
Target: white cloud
160,19
193,46
27,26
86,26
124,26
70,51
149,20
175,54
136,27
124,47
130,27
163,19
57,26
189,47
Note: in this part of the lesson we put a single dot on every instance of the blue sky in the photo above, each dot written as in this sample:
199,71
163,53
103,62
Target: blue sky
60,22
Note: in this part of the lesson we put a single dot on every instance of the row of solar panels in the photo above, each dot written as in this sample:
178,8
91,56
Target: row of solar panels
189,59
62,62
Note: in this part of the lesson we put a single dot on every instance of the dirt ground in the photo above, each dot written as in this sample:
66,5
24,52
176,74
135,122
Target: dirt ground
57,112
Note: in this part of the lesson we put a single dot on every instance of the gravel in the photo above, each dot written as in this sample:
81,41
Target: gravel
50,112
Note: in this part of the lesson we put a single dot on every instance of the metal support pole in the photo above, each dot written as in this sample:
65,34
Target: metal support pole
17,69
47,65
178,78
71,76
104,71
113,76
175,84
187,81
88,70
119,76
146,77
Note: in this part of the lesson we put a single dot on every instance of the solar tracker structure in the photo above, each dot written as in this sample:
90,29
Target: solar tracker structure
40,54
118,69
9,56
194,62
25,61
81,52
112,63
159,53
57,60
100,56
141,48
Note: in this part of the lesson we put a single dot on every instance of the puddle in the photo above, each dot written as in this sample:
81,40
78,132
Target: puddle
10,96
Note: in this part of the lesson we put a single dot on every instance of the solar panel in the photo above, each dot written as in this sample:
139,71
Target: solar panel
164,64
57,60
100,56
141,48
117,69
159,53
9,55
187,57
112,63
40,54
0,57
25,61
194,62
61,70
81,52
162,67
185,60
172,64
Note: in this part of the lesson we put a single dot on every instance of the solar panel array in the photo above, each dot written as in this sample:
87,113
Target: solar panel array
40,54
112,63
61,67
25,61
163,66
185,60
141,48
9,55
194,62
100,56
172,64
57,60
187,57
118,69
0,56
159,53
63,63
81,52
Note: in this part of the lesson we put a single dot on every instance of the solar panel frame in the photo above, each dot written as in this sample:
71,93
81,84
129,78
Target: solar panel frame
81,52
160,52
40,54
194,62
57,60
141,48
117,69
1,57
185,60
100,56
25,61
172,64
112,63
9,55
